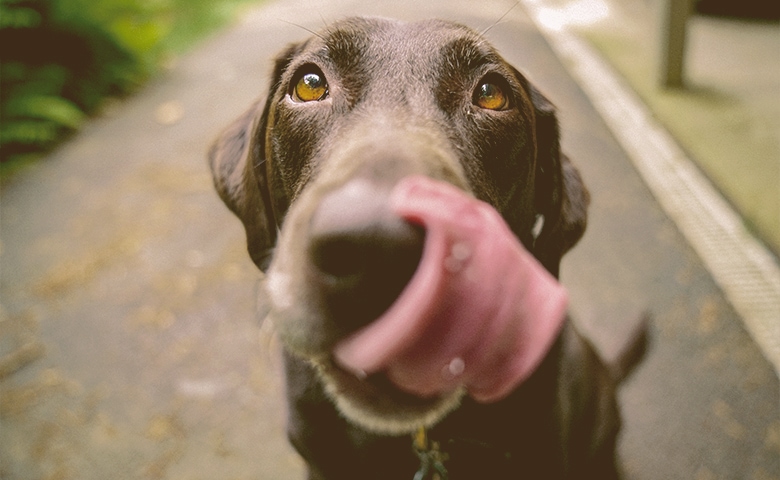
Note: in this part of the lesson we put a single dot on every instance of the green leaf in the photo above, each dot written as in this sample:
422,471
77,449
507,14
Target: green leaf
28,132
141,36
19,17
46,107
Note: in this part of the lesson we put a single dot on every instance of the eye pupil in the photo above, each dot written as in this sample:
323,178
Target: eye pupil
312,81
488,90
490,97
310,87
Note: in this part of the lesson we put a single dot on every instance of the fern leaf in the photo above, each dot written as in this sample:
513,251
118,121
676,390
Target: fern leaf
46,107
28,132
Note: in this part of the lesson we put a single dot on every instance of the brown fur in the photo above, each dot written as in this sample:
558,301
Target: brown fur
400,103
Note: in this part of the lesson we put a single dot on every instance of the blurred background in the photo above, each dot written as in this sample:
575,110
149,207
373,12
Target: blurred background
129,343
64,60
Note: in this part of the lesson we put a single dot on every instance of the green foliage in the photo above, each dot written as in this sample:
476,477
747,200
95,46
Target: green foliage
60,58
20,17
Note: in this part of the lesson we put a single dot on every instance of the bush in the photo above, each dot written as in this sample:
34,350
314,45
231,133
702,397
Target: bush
60,58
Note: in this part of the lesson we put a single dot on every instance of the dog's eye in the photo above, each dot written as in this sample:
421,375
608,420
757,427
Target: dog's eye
310,86
491,95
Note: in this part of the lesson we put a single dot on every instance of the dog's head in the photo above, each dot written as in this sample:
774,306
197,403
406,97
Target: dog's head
349,113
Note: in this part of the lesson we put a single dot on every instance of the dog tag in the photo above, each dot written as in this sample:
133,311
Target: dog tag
431,458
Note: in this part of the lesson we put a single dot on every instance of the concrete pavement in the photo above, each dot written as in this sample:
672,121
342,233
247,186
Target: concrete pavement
129,343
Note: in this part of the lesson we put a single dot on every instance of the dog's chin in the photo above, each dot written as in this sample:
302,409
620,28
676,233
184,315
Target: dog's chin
375,404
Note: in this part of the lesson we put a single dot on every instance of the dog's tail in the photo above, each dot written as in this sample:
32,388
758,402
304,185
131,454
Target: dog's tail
632,352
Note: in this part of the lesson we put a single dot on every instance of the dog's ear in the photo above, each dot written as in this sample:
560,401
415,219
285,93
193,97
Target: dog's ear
560,195
237,160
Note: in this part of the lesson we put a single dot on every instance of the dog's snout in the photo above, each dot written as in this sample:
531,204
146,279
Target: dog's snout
353,255
361,254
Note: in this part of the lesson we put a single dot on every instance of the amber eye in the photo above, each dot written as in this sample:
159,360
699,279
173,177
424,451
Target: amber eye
310,86
491,96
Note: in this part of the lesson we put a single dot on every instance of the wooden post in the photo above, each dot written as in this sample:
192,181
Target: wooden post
675,19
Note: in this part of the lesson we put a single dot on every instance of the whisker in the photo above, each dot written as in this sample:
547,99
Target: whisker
322,18
517,2
316,34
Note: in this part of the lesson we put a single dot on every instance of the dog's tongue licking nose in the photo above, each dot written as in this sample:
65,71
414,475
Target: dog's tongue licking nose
480,311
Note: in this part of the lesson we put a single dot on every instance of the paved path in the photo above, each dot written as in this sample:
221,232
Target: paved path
129,343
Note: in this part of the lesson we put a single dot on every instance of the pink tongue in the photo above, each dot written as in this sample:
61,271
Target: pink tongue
480,311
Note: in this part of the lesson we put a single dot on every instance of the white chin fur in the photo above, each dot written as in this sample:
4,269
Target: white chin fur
344,391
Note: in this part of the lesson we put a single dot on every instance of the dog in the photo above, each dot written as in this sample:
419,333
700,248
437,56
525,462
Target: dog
371,101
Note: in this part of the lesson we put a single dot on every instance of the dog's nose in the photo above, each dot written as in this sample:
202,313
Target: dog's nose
362,255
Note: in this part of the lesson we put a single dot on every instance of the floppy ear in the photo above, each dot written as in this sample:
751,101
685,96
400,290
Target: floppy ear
237,160
560,195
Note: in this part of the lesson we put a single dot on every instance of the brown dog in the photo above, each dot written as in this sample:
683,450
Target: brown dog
371,101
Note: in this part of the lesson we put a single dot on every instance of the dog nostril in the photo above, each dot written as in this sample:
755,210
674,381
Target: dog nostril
382,250
362,258
339,256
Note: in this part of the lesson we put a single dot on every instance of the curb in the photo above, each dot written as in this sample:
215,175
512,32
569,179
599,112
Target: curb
743,268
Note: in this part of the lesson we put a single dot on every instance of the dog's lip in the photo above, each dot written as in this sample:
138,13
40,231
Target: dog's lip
377,384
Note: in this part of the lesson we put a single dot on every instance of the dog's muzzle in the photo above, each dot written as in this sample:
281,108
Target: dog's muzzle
361,255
